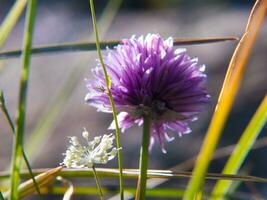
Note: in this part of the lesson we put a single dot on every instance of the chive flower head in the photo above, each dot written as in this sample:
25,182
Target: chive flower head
151,78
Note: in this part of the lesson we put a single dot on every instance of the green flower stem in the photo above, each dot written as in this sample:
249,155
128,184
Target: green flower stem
98,183
144,154
18,143
11,124
108,83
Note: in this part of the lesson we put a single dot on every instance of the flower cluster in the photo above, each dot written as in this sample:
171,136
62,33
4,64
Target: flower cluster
150,78
98,151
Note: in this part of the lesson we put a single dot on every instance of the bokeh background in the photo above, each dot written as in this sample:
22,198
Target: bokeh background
56,107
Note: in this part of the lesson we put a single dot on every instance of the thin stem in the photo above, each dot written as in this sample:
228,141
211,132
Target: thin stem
144,154
98,183
108,83
5,111
18,143
91,46
11,124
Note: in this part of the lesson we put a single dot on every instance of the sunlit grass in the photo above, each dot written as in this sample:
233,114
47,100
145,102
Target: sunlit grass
228,92
18,141
11,20
49,119
242,148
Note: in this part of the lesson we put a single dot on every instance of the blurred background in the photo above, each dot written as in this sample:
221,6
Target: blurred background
56,107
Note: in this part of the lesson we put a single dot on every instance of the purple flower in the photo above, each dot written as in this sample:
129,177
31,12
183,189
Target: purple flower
151,78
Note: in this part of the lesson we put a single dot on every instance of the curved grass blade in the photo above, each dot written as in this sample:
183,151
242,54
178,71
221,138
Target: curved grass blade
11,124
68,193
44,179
242,148
118,140
10,20
229,89
91,46
18,143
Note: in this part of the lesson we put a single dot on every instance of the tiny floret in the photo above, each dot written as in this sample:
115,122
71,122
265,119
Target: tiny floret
150,78
98,151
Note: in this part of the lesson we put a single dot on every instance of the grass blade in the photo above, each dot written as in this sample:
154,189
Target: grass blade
118,141
1,196
133,174
226,98
5,111
11,124
44,179
159,192
69,190
18,143
91,46
243,147
10,20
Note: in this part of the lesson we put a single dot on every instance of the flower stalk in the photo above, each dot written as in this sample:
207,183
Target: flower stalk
144,155
98,183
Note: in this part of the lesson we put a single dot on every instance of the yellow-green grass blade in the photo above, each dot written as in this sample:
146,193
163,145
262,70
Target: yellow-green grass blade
18,140
10,20
12,127
158,193
133,174
91,46
229,89
242,148
188,164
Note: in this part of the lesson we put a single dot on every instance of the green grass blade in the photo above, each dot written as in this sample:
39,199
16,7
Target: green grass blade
5,111
18,143
1,196
11,124
243,147
91,46
118,140
10,20
229,89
